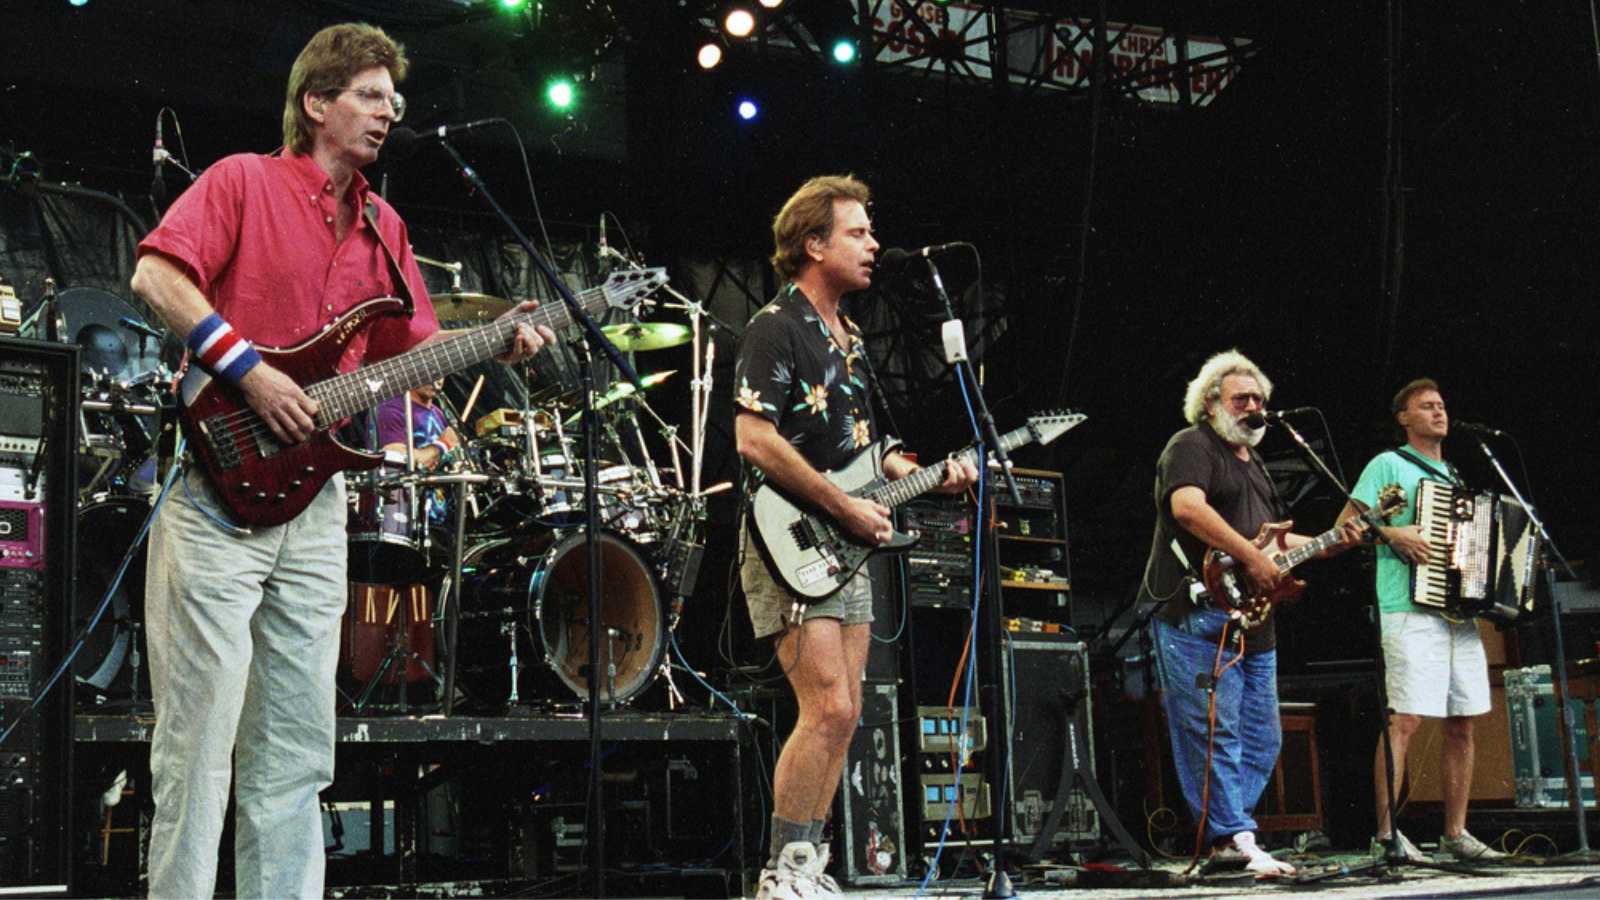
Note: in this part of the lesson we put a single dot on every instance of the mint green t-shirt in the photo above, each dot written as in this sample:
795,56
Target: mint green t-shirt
1389,467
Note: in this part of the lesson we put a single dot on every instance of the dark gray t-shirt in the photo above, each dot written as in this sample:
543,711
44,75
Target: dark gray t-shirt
1238,490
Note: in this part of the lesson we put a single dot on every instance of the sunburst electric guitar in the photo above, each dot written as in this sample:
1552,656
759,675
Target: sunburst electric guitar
1231,590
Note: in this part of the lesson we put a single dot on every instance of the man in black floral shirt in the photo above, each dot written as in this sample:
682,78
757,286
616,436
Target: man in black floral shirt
802,409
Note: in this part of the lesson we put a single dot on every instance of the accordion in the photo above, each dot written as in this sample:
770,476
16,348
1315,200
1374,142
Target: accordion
1482,554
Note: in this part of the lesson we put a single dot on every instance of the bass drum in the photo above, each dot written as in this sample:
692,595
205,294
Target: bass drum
533,590
103,667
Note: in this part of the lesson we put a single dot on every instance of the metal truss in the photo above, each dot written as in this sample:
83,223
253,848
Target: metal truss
1034,52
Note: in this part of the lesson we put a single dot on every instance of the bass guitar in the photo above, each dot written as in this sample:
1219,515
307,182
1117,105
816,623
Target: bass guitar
1231,590
815,557
262,481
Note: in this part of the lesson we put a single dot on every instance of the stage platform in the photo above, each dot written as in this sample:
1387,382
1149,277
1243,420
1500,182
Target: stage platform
428,805
621,725
1531,878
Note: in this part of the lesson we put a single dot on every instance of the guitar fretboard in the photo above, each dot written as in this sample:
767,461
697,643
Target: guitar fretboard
927,478
347,394
1291,558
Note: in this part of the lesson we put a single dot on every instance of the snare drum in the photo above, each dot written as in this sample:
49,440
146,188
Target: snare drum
387,532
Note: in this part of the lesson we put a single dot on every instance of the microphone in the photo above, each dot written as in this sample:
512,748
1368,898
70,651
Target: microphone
138,327
1273,415
158,156
1479,428
1254,420
895,258
403,142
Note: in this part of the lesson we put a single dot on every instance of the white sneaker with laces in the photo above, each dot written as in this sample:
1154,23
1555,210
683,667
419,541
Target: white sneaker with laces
791,878
1467,848
1258,861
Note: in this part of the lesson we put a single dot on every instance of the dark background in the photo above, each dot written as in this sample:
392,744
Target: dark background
1252,223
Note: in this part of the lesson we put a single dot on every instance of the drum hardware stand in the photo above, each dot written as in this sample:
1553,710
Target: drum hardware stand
134,660
399,649
513,698
669,434
589,332
449,611
612,636
1584,854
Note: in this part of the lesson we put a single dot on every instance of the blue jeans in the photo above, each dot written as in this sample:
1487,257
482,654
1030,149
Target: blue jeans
1248,733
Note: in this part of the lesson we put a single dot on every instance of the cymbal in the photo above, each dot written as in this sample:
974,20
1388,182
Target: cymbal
647,335
466,306
621,390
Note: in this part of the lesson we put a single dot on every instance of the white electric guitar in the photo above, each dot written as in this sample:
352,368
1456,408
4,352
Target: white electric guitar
815,557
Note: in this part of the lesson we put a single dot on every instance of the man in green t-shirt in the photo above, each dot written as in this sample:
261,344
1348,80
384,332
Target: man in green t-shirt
1435,666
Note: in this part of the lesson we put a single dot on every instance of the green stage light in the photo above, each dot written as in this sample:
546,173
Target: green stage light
512,4
844,51
561,93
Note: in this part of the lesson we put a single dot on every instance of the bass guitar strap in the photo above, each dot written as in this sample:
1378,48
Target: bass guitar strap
370,211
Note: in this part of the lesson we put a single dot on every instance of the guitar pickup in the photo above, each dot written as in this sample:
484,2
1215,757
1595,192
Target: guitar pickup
221,441
804,537
266,444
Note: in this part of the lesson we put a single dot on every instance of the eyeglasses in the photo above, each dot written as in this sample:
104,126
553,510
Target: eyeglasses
1243,401
374,99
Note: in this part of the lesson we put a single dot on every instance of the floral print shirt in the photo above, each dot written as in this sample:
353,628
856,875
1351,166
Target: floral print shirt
791,372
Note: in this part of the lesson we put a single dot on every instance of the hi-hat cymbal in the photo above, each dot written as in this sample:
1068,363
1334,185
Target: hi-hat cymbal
647,335
465,306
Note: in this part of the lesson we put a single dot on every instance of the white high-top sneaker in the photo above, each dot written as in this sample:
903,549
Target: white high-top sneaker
791,879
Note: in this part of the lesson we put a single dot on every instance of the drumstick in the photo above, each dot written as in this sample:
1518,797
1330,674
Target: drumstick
472,398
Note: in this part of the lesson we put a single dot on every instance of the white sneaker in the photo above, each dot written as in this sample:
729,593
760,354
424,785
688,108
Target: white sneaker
1408,850
1258,861
1467,848
791,879
818,872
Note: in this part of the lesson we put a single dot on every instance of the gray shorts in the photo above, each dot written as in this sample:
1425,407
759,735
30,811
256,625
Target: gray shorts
772,605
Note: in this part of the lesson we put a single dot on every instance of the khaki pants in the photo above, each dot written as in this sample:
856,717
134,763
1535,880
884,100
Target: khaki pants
243,634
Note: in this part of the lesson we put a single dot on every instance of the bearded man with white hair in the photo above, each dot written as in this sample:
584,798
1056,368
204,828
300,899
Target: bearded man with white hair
1211,490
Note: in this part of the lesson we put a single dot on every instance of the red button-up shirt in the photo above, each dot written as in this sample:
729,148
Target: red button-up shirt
256,235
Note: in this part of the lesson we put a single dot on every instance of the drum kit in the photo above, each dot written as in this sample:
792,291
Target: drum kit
488,542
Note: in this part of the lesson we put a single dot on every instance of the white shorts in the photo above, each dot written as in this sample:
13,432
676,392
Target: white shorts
1435,667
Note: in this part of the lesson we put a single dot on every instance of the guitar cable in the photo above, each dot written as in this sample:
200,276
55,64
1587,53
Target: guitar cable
1217,669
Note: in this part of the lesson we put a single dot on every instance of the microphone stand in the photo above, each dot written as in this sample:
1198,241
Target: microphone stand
1394,858
592,337
1574,780
999,884
986,421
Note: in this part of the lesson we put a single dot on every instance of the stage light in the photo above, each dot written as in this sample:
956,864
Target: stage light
771,4
512,4
739,22
710,54
78,2
844,51
561,93
748,109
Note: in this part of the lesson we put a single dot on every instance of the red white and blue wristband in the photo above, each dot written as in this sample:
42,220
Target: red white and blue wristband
221,350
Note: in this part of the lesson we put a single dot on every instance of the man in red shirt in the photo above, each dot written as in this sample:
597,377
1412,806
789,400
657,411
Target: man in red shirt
243,624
